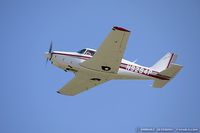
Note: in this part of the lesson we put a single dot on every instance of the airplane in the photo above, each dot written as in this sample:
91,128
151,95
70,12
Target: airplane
94,67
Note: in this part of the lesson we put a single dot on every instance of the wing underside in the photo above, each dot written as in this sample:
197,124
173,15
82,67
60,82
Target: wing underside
109,55
106,60
82,82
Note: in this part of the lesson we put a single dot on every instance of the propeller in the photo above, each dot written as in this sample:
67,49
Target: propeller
50,52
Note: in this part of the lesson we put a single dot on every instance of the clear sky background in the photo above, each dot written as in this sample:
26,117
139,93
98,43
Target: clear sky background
28,99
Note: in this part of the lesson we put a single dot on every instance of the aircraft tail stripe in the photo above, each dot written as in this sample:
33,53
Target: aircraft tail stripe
170,60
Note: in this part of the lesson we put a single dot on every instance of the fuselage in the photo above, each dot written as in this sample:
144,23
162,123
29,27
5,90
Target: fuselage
94,67
71,61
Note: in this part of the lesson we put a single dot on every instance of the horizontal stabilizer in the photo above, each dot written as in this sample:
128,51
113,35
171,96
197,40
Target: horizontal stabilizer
170,72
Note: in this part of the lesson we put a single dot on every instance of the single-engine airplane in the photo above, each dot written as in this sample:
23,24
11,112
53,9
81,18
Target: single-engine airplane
94,67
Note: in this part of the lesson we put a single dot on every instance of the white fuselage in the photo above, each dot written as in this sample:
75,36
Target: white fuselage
127,70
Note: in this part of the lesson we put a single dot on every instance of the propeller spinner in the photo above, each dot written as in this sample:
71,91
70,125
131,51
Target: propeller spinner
49,54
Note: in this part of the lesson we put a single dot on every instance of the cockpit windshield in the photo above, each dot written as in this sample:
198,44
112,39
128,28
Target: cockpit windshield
81,51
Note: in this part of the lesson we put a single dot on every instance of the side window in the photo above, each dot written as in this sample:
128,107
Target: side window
89,52
92,53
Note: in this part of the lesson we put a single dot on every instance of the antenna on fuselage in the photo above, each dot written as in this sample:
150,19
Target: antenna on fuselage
135,61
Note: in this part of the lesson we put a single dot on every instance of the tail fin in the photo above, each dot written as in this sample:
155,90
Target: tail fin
165,62
166,67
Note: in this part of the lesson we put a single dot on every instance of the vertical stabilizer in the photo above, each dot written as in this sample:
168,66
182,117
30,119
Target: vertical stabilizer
165,62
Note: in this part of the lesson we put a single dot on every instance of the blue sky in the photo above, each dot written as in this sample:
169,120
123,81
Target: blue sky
28,98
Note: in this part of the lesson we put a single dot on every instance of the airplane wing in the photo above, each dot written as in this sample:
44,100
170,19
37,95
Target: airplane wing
109,55
82,82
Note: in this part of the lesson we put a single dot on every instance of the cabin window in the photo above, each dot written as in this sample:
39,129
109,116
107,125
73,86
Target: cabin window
90,52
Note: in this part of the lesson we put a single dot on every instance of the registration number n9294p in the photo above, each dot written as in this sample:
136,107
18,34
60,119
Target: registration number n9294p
138,69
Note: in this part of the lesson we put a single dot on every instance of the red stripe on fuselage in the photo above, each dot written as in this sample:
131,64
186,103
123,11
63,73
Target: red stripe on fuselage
163,77
72,55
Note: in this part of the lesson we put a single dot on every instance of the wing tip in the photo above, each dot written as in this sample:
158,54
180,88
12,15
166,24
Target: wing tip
120,28
68,94
58,92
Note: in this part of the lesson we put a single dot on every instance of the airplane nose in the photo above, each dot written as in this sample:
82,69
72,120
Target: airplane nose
47,55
